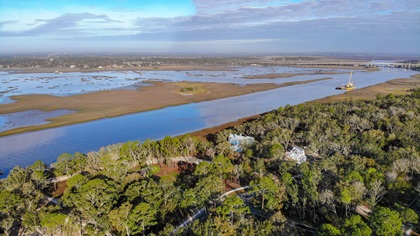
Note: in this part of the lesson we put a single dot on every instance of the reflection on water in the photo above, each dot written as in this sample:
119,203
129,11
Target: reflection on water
28,118
63,84
17,149
24,149
83,82
237,74
47,145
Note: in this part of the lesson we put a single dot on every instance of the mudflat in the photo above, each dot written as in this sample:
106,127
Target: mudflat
112,103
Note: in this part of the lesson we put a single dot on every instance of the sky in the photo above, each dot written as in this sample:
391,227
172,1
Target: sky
210,27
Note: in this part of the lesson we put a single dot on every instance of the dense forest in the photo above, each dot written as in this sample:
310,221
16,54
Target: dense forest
361,177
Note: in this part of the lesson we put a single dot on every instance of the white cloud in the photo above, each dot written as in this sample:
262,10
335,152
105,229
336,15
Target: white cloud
295,23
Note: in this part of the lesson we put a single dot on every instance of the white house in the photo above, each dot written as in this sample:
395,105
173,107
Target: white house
296,154
238,141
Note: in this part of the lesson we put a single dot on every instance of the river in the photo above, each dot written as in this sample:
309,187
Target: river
46,145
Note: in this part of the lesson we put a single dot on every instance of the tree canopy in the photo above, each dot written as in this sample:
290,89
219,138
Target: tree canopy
361,177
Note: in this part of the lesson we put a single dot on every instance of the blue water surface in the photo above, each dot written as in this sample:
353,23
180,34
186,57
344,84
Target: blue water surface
47,145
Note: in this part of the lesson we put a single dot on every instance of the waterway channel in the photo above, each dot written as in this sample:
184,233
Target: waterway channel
46,145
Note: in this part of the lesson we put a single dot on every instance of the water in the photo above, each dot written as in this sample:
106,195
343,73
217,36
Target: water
29,118
47,145
12,84
65,84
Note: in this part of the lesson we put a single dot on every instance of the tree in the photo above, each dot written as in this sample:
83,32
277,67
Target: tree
376,192
311,177
94,200
114,166
119,218
351,188
291,189
78,162
268,193
152,194
189,198
208,187
345,198
409,216
142,217
328,230
30,221
7,224
129,150
222,227
233,208
385,221
355,226
10,203
276,150
16,178
53,222
222,166
171,197
62,165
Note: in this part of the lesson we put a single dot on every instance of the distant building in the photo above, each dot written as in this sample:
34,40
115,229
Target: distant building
238,141
296,154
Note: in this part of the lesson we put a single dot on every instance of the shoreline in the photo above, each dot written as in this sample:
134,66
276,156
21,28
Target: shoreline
19,70
113,103
174,67
395,86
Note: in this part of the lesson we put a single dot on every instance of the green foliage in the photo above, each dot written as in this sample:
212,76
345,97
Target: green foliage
142,217
359,153
355,226
188,89
385,221
409,216
233,206
10,203
93,200
268,193
53,221
154,170
328,230
353,177
129,149
62,165
276,150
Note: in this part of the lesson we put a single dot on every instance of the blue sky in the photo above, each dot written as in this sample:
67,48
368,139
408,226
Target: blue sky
210,26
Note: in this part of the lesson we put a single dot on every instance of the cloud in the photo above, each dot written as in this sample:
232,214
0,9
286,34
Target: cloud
2,23
243,14
220,15
296,23
65,25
